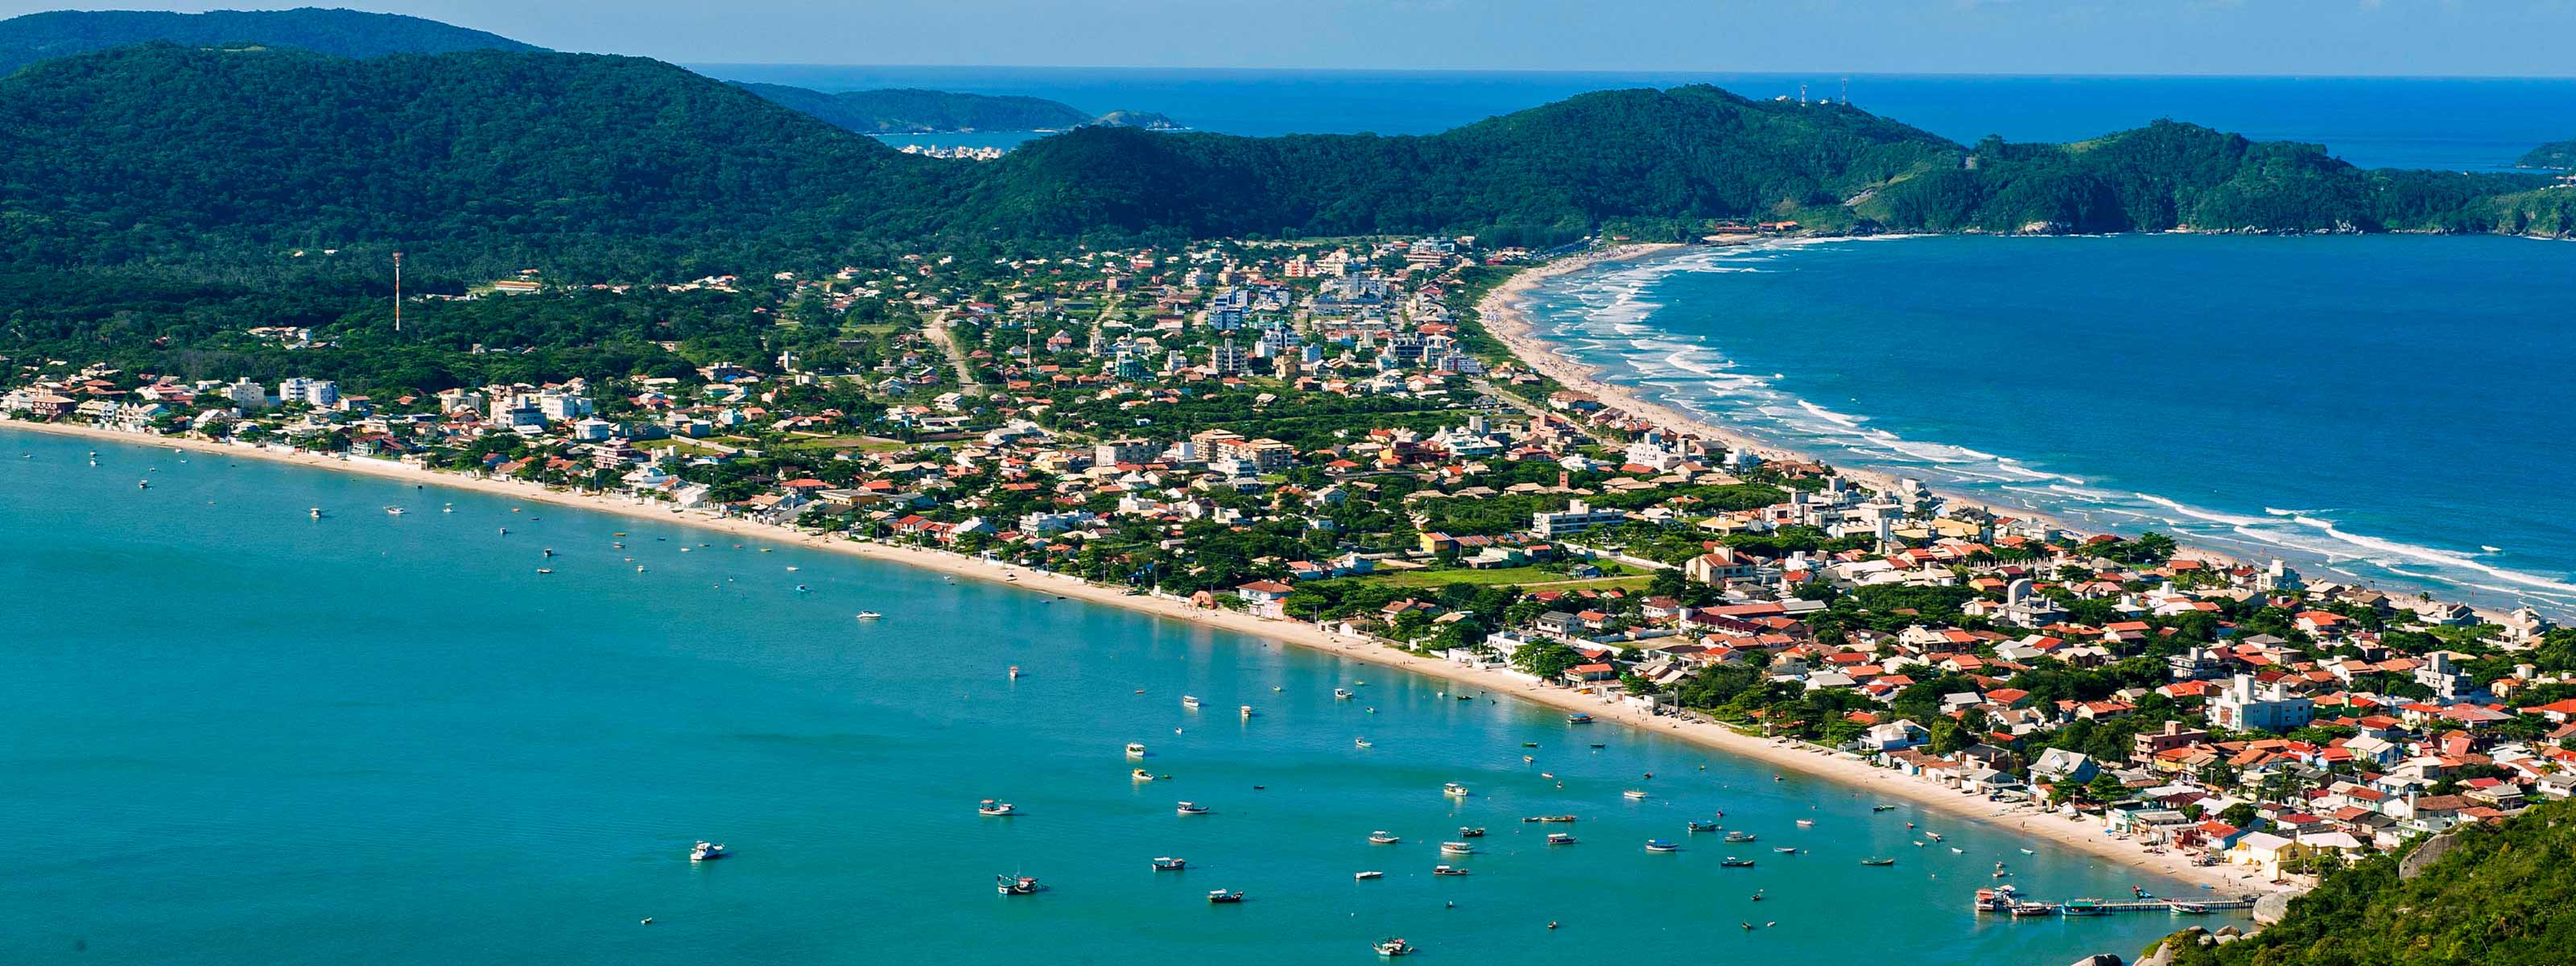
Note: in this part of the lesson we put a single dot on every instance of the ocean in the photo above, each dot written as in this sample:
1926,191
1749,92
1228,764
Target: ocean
2385,409
2439,123
237,734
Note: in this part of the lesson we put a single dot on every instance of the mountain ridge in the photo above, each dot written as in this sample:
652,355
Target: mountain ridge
29,38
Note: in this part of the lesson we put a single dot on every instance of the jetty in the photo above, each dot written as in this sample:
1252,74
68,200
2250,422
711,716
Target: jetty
2005,902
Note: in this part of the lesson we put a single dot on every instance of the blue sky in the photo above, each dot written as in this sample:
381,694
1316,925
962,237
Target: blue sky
2300,37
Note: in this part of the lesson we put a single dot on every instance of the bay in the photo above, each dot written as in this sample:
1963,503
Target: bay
237,734
2380,409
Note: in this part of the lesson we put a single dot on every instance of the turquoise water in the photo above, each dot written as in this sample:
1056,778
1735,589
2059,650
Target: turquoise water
234,734
2385,409
2375,122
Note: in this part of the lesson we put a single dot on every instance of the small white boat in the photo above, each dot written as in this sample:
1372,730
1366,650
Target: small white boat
1382,837
1189,702
1634,795
394,511
865,615
1560,838
994,808
1190,808
1015,885
1015,672
1659,845
1247,711
1222,897
1361,743
1342,694
1457,848
316,513
450,508
1806,823
1454,790
1370,874
1135,749
707,852
1396,946
1141,775
1165,863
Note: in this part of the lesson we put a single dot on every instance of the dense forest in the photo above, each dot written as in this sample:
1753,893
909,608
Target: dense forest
348,33
2503,895
910,111
230,163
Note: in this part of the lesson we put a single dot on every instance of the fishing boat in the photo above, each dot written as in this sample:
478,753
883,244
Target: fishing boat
1447,870
1468,832
1190,808
2023,910
1661,845
1222,897
1740,836
1383,837
1556,818
1141,775
1879,862
1392,947
1732,862
1341,694
1882,808
2188,909
1560,838
707,852
1785,849
994,808
1454,790
1166,863
1015,885
1998,899
1698,827
865,615
1578,718
1457,848
1934,836
1634,795
1135,749
2084,907
1189,702
1529,744
394,511
1806,823
1369,874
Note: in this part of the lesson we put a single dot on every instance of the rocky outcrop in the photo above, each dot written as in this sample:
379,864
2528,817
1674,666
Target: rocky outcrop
2426,854
2273,906
2099,959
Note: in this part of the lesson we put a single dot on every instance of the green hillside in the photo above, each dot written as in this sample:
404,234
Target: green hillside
347,33
2502,896
2556,154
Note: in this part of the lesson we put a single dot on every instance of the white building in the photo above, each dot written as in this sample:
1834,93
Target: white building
2246,706
1577,517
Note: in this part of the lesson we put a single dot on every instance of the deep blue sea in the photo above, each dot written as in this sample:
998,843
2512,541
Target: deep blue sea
2385,409
234,734
2451,124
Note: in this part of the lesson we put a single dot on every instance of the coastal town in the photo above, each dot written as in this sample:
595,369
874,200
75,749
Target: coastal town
1335,441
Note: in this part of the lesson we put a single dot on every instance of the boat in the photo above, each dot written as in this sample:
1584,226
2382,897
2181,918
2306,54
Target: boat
1392,947
2188,909
1454,790
1447,870
1578,718
2083,907
1597,745
1015,885
394,511
1361,743
1165,863
1999,899
1732,862
1457,848
1189,702
316,512
1661,845
1369,874
449,508
1882,808
2028,852
1634,795
865,615
1471,832
1382,837
1556,818
1697,827
1806,823
1141,775
1740,836
1247,711
707,852
2028,909
1190,808
1135,749
1880,862
1560,838
1529,744
545,570
1341,694
1015,670
1955,850
1222,897
991,807
1785,849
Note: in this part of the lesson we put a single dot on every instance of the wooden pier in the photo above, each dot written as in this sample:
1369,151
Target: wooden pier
2107,906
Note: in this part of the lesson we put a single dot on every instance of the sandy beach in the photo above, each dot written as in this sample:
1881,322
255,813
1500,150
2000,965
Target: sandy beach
1867,781
1503,314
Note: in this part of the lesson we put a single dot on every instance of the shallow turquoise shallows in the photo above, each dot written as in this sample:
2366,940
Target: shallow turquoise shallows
236,734
2388,409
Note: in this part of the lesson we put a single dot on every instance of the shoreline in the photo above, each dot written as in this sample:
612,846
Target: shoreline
1852,773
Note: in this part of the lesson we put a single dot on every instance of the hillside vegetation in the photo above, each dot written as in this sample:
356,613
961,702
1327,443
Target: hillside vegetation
2505,895
230,159
908,111
2555,154
346,33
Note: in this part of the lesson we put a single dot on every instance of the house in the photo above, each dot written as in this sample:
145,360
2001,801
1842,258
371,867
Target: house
2061,765
1718,566
1265,598
1893,736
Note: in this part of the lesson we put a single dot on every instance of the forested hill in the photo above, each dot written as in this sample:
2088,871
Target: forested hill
2556,154
908,111
347,33
616,166
2502,895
